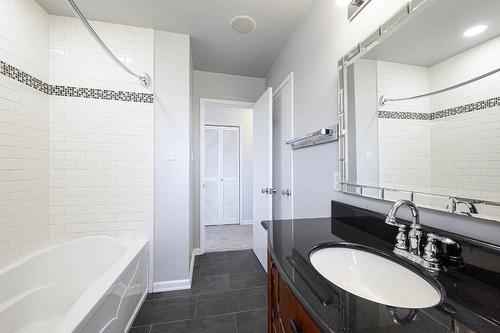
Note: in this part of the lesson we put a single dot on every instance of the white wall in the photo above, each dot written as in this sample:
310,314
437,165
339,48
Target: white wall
101,151
366,117
242,118
24,131
312,53
172,181
216,86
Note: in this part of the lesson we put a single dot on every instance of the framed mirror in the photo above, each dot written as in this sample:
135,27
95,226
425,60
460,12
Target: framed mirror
419,109
354,8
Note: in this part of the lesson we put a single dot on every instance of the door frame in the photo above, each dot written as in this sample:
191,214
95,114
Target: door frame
204,102
289,80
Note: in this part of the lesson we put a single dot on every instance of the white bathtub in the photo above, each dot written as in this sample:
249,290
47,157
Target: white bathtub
88,285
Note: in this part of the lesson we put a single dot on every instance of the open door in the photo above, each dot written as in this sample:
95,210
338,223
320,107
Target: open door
262,172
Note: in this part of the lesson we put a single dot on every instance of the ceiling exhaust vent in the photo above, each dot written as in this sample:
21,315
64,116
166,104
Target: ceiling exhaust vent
243,24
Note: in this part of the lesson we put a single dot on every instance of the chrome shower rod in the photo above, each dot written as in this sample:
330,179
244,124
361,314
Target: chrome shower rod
145,79
384,99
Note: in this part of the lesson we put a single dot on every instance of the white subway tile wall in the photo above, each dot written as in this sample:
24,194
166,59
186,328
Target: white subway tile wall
24,132
77,60
405,155
72,167
401,80
101,152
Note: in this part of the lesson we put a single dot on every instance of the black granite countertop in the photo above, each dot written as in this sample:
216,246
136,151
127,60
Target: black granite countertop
472,286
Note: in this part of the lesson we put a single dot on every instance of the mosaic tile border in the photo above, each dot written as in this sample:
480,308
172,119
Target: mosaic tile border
477,106
67,91
404,115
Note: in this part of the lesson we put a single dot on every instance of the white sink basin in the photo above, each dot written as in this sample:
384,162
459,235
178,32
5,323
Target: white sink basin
374,277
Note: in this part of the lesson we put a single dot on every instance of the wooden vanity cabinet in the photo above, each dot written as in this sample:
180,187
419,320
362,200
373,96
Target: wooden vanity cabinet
285,313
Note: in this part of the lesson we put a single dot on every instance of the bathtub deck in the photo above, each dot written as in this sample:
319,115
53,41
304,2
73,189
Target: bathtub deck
228,296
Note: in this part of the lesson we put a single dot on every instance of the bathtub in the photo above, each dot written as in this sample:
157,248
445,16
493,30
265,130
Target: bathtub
89,285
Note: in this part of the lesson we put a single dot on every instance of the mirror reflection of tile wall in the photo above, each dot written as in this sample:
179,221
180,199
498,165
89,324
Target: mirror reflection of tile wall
448,143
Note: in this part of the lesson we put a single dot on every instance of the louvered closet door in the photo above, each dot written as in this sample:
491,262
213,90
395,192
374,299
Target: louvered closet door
230,176
212,176
222,175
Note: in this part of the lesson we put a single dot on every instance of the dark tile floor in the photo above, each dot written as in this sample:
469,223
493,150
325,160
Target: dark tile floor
228,295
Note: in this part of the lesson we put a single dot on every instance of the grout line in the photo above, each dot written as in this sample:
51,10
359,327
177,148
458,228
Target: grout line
192,319
196,307
235,323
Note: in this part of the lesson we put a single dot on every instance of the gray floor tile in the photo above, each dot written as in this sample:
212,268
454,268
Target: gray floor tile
227,268
140,329
254,321
229,302
211,258
247,280
210,284
218,324
163,310
201,285
170,294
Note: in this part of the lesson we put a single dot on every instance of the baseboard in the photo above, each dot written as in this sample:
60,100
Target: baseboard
246,222
172,285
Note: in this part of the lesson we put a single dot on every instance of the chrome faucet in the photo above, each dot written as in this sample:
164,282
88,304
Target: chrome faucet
453,203
413,251
415,234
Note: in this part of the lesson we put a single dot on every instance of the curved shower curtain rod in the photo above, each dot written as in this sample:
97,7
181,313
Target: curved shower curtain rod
384,99
145,79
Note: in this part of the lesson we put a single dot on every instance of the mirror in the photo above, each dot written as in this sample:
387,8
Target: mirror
354,7
419,108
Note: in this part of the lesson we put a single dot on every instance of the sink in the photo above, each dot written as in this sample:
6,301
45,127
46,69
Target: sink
375,276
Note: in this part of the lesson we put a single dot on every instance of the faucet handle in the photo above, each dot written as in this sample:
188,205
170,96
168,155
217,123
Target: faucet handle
431,260
433,237
401,236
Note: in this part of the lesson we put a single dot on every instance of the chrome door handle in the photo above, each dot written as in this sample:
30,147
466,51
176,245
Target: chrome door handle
268,190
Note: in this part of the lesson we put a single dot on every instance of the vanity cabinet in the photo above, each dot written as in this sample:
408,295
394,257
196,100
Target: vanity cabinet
285,313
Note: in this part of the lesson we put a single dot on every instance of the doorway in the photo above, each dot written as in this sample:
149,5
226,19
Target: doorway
225,175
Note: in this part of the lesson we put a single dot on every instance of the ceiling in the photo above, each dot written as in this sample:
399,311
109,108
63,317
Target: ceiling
435,34
215,47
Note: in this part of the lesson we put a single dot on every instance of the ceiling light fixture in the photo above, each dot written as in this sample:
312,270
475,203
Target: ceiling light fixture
243,24
475,30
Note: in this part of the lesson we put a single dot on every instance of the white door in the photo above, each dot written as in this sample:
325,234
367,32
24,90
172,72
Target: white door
262,172
222,175
282,153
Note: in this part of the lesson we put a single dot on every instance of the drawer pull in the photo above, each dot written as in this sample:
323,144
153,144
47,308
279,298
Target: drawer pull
294,326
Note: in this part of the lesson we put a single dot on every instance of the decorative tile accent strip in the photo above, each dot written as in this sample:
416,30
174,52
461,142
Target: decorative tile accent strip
113,95
477,106
20,76
404,115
